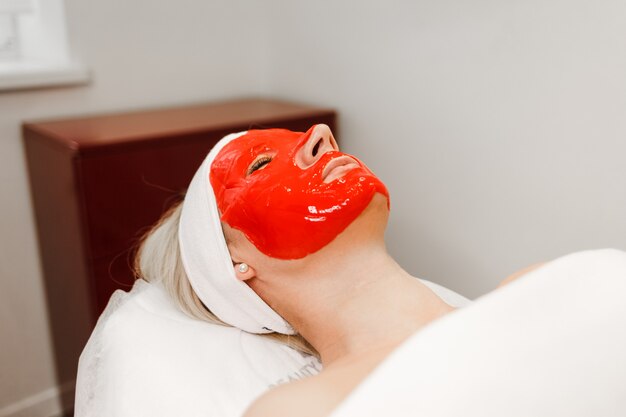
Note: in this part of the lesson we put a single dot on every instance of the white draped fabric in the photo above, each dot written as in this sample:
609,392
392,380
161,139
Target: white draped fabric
551,344
146,358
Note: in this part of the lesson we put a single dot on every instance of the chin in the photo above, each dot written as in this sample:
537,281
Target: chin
379,207
382,199
372,221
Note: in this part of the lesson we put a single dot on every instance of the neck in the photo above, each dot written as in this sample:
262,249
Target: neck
359,302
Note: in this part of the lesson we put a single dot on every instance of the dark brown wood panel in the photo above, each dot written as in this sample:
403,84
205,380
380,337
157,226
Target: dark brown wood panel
99,182
59,224
93,133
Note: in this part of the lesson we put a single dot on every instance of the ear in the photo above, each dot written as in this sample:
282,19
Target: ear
243,271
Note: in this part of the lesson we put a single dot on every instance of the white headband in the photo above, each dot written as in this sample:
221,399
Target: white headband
208,263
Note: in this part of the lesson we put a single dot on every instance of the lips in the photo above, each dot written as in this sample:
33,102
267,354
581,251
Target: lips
337,167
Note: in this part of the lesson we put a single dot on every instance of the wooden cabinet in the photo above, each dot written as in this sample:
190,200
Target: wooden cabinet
99,182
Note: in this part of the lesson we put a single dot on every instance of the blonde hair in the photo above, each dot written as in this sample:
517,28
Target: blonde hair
158,260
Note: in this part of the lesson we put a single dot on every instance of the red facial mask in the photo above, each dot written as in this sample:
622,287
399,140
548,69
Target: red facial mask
287,212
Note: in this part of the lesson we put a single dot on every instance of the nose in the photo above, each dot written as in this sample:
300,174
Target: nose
320,141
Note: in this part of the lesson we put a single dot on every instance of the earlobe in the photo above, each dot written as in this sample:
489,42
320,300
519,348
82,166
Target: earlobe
243,271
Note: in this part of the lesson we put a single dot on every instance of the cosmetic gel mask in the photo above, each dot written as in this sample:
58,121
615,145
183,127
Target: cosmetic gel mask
287,212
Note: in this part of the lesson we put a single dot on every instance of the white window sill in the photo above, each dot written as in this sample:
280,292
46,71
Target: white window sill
29,75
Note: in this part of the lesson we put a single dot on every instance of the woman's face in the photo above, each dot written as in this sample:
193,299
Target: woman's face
290,193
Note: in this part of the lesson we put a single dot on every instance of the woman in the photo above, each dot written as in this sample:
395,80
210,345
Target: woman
327,293
303,260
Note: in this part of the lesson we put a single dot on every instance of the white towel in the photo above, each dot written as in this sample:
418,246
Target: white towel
147,358
208,263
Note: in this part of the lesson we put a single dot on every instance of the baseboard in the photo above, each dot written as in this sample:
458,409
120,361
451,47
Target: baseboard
49,403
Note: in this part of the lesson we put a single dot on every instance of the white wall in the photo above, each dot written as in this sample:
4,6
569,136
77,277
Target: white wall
499,127
143,54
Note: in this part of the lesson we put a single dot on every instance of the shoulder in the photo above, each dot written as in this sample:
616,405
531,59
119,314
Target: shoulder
310,397
520,273
318,395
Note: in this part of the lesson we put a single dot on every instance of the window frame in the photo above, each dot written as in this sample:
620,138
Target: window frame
43,58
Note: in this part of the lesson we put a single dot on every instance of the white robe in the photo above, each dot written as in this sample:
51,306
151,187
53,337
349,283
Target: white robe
551,344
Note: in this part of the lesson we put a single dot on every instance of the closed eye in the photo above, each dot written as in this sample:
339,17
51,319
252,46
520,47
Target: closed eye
258,164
